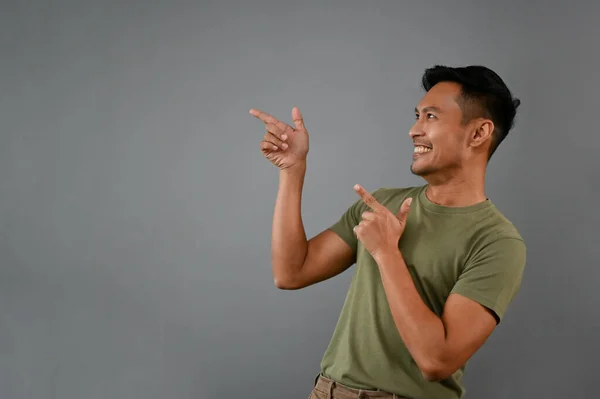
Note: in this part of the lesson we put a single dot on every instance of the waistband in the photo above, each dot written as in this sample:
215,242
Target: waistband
331,387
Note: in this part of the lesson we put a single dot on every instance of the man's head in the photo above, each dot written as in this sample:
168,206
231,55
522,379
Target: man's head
462,119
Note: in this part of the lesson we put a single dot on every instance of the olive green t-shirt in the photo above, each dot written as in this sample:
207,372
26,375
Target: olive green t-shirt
473,251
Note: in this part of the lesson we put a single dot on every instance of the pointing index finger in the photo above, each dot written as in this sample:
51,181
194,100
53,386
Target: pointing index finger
268,119
263,116
367,197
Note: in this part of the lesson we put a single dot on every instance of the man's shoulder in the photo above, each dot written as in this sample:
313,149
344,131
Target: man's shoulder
497,226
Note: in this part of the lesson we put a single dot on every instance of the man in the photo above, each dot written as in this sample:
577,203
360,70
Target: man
437,265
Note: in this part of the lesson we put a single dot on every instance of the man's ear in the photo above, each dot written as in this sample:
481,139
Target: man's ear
482,132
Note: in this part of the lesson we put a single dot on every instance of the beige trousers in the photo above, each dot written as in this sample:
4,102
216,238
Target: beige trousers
327,389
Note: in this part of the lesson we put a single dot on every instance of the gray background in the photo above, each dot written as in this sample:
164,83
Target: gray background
136,208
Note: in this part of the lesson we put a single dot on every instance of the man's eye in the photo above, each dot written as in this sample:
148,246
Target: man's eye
430,116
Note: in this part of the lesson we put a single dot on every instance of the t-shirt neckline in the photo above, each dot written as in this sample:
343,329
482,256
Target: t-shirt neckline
427,204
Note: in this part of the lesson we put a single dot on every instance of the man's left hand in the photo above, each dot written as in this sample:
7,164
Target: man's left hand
380,229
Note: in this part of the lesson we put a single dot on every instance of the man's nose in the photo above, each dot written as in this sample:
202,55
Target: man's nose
415,131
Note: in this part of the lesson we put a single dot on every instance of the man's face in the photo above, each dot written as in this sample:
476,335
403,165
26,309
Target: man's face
439,136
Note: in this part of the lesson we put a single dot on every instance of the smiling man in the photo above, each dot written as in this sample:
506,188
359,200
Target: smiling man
437,264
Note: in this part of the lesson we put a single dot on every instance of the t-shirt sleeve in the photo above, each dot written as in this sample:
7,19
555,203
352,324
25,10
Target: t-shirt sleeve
492,277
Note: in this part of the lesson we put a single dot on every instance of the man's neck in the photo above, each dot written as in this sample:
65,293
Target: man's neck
457,193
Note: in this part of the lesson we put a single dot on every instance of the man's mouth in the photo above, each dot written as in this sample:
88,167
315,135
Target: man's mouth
420,149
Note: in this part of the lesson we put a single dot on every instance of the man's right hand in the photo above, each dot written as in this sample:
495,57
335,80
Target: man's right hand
282,144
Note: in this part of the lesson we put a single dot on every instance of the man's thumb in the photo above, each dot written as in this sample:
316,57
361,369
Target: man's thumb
297,118
404,208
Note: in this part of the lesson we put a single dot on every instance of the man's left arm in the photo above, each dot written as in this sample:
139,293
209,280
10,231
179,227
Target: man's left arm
475,306
477,303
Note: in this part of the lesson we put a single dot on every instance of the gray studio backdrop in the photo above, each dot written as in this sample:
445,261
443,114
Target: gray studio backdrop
136,209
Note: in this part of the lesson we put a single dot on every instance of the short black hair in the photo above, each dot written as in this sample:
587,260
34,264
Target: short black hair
483,94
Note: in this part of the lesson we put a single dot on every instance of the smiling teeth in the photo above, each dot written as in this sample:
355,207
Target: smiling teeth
420,149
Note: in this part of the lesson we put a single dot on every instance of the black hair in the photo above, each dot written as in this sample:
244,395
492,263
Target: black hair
483,94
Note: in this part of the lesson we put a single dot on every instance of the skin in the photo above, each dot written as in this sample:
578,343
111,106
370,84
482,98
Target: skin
455,172
455,168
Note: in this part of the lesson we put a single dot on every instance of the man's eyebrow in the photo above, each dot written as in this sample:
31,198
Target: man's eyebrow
428,109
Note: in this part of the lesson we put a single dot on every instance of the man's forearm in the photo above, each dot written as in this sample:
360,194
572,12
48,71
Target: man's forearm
421,330
288,242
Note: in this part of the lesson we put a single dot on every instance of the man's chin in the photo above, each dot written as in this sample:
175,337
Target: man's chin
415,171
422,172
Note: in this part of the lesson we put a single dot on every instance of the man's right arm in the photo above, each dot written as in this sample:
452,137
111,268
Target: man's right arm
296,261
